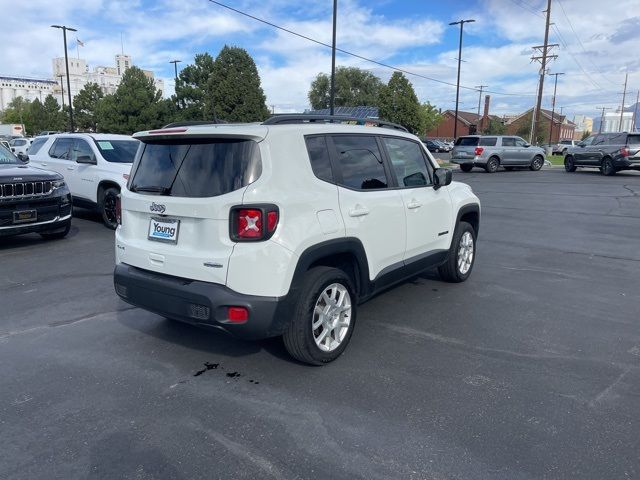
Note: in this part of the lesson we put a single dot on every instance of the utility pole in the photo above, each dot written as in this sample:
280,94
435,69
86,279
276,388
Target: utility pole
332,94
175,67
455,124
64,29
544,49
480,87
624,97
602,117
634,123
553,106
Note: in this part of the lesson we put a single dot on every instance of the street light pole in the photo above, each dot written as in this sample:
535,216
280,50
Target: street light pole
175,66
62,90
553,106
64,29
455,124
332,93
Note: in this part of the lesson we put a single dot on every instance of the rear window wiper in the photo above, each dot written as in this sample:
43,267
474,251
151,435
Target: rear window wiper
151,189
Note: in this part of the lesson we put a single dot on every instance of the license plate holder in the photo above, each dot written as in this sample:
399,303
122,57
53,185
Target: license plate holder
25,216
164,230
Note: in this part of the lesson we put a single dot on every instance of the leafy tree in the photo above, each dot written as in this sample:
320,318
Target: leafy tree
399,103
18,111
431,117
37,117
136,105
354,87
585,134
494,127
84,106
192,96
55,119
235,88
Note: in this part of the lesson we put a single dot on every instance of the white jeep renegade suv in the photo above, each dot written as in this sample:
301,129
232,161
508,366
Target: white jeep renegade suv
283,228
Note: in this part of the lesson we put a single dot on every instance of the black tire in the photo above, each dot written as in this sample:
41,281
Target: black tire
492,165
508,169
569,165
564,152
56,235
466,167
536,163
298,337
108,207
607,167
449,271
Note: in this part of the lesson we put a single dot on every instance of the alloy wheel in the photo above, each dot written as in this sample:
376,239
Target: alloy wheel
331,317
465,253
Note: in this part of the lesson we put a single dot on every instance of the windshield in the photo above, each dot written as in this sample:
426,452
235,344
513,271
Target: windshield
467,142
8,158
118,151
196,167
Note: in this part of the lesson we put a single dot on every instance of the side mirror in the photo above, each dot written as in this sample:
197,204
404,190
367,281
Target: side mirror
23,157
86,159
442,177
527,145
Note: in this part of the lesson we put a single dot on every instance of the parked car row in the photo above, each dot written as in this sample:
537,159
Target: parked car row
437,146
494,151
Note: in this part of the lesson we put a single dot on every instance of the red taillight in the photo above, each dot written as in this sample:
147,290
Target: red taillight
118,210
624,151
253,223
237,314
479,150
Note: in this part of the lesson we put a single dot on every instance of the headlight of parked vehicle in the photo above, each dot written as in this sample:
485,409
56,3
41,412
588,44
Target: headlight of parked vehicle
58,184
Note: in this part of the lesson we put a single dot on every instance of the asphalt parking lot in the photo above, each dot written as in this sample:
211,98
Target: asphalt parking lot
529,370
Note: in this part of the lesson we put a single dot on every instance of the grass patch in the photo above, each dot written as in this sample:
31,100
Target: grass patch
556,159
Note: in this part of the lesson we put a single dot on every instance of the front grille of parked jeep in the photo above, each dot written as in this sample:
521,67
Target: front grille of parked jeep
25,189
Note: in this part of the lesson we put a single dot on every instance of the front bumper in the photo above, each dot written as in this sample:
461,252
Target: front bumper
201,303
627,163
53,214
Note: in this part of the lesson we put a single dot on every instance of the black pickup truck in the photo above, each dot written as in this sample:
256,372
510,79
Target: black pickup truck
610,152
32,200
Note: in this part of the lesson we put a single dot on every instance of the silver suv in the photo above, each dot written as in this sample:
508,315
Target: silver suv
490,152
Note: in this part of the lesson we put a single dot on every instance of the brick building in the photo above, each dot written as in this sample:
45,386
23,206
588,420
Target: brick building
469,123
563,129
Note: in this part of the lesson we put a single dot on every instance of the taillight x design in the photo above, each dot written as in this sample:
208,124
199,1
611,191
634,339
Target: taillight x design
479,150
250,223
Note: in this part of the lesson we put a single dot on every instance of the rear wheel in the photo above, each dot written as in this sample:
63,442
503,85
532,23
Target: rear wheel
108,207
324,317
536,163
466,167
462,254
569,165
607,167
492,165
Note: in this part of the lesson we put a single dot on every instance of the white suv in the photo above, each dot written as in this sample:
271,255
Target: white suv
283,228
95,166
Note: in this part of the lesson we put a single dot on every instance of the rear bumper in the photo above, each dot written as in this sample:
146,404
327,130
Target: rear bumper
201,303
476,161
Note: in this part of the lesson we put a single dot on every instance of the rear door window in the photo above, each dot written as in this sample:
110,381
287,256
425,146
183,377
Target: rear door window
508,142
61,148
599,140
467,142
360,162
488,142
196,167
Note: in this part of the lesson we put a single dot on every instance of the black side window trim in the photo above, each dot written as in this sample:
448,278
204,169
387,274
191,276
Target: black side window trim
387,161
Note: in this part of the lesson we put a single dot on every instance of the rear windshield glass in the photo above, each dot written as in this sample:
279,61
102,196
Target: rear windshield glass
488,142
118,151
467,142
196,167
633,140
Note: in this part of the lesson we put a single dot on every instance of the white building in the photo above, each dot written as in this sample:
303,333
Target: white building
612,122
27,88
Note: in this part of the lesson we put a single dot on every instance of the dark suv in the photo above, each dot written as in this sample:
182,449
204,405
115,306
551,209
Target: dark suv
610,152
32,199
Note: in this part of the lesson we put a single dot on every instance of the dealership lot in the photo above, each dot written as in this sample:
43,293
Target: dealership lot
530,369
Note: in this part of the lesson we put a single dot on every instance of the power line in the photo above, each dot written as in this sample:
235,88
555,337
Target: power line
381,64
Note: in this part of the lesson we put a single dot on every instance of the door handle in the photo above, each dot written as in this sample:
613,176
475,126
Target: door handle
358,211
71,168
413,204
43,164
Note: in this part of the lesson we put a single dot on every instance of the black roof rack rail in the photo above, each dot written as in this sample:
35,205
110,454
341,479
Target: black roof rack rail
306,118
192,123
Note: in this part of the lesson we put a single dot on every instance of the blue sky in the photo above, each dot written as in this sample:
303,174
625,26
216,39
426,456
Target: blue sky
597,45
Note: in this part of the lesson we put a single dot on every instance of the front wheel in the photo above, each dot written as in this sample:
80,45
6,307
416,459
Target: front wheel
108,207
466,167
569,164
324,317
536,163
462,255
607,167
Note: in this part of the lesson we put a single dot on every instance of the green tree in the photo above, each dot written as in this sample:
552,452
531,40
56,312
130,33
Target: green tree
136,105
399,103
431,117
494,127
354,87
18,111
84,106
235,88
55,119
585,135
37,117
192,96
